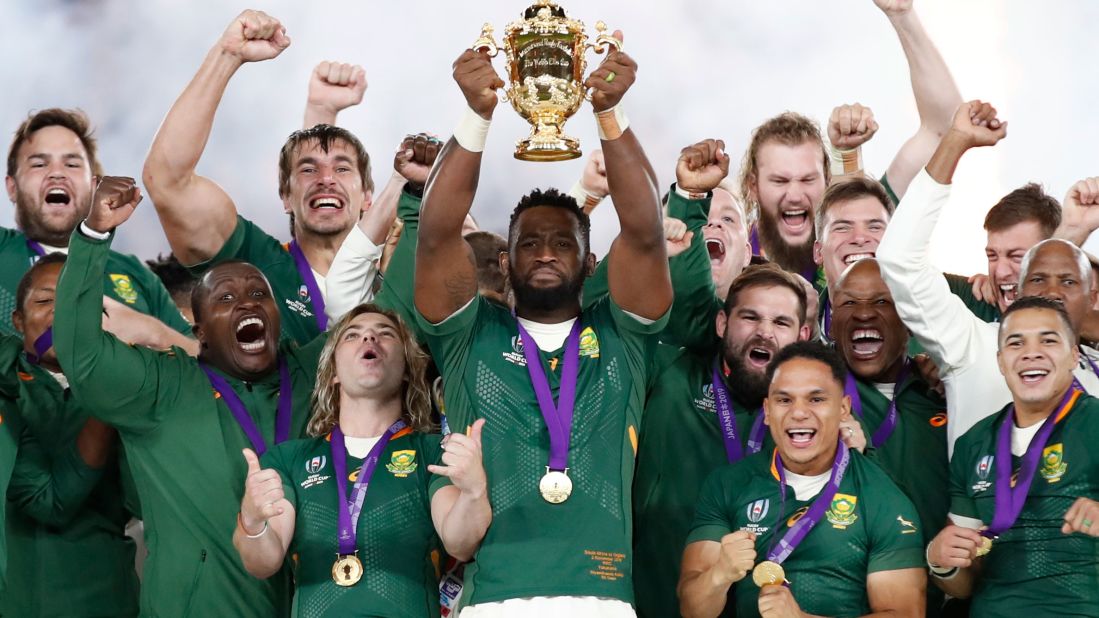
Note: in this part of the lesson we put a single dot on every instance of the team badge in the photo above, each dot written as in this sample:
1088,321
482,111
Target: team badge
402,463
984,468
842,512
589,343
315,465
907,527
1053,463
124,288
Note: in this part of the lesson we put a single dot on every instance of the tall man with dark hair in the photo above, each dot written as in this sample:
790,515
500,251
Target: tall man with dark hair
845,536
559,480
1024,514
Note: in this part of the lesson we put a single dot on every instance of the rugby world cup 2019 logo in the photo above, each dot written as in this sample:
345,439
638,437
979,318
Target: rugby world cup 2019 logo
705,403
984,469
515,355
756,512
1053,463
313,467
842,512
316,464
303,293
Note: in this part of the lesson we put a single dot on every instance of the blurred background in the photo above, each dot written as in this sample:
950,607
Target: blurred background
708,68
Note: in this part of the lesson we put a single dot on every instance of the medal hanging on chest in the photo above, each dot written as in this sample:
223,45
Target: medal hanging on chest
555,485
348,569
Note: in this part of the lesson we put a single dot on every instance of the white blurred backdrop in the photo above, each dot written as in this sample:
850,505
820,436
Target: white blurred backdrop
708,68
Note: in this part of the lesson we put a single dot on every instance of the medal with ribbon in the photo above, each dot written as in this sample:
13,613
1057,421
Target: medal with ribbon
305,271
555,486
726,418
240,413
1011,496
889,424
347,570
770,571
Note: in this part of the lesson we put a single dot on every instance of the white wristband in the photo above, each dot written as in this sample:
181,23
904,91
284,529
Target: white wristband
611,123
472,131
844,162
90,233
255,536
687,195
938,571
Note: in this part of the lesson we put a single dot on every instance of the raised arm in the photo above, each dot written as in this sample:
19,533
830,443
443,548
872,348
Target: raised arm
936,93
849,127
637,272
446,272
197,215
1080,212
333,87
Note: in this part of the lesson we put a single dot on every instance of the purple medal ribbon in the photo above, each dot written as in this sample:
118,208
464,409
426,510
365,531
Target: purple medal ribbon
1009,500
240,413
727,419
1094,369
827,334
306,273
882,433
37,248
350,509
558,416
41,345
753,238
797,532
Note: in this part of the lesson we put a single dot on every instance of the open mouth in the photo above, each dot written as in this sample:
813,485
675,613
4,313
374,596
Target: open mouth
801,437
866,343
760,357
59,196
250,334
1033,376
370,354
795,220
855,257
326,202
1008,292
716,249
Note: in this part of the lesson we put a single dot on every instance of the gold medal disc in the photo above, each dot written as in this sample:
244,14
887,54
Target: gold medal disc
986,546
767,573
555,486
347,570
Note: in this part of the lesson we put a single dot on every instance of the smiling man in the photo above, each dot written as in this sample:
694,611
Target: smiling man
184,421
324,184
51,170
1023,482
845,535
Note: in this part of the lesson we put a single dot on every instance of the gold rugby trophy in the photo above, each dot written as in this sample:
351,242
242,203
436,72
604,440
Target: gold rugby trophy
545,66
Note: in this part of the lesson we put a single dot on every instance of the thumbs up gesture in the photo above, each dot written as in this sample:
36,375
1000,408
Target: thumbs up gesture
263,495
462,461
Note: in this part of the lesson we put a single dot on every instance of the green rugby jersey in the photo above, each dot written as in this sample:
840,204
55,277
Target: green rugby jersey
68,543
1033,568
125,279
870,527
11,428
581,547
395,534
679,446
183,446
398,289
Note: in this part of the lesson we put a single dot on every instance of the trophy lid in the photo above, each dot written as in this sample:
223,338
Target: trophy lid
532,10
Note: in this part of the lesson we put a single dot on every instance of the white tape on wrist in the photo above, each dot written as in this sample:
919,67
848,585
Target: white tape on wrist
611,123
586,200
844,162
472,131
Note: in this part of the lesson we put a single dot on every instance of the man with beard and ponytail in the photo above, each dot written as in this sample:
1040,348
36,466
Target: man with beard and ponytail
702,412
561,388
324,183
823,530
905,420
51,171
184,421
1025,520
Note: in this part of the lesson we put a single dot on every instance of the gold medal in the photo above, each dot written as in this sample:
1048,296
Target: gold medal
768,573
555,486
986,546
347,570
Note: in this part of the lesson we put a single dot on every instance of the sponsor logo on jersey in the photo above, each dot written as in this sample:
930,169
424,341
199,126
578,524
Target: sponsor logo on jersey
984,467
706,403
314,465
589,343
303,293
939,420
842,512
515,355
907,527
757,512
402,463
1053,463
124,288
798,514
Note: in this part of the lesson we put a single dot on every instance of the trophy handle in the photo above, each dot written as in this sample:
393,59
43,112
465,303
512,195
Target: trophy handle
486,42
603,41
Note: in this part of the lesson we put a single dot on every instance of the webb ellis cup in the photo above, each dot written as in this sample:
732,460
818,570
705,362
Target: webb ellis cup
545,67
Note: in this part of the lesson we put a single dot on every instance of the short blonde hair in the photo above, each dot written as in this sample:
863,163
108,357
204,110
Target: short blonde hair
326,394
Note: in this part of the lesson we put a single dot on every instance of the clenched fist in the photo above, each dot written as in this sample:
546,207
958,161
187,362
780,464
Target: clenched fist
851,126
976,123
113,202
677,238
415,156
738,555
622,71
264,497
336,86
702,166
776,601
254,36
478,80
955,546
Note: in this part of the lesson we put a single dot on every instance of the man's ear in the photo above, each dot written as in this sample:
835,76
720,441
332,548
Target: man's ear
590,264
17,321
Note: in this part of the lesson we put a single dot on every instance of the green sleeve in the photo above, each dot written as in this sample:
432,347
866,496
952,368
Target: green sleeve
889,190
895,539
963,289
597,285
235,247
10,349
280,458
690,323
161,305
433,454
450,342
711,521
116,382
50,490
398,289
961,503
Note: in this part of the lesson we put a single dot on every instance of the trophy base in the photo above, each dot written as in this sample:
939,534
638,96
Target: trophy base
557,149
